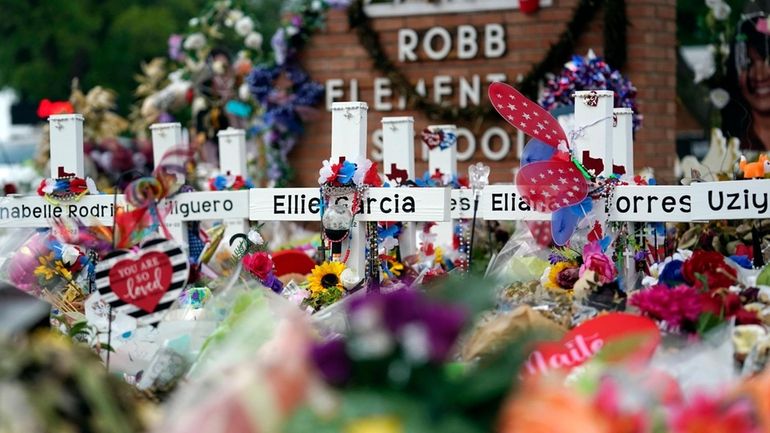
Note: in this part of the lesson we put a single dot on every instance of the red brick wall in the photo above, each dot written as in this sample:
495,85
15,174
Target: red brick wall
336,53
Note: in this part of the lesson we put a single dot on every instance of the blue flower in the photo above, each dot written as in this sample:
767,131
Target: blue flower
345,175
671,275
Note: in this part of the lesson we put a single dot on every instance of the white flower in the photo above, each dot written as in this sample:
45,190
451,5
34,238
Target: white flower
349,278
219,67
362,166
255,238
194,22
49,184
416,343
235,15
721,11
704,70
69,254
244,26
325,172
253,41
719,98
195,41
92,186
291,30
243,92
316,5
389,243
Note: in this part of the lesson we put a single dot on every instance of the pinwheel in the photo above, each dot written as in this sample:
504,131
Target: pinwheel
550,178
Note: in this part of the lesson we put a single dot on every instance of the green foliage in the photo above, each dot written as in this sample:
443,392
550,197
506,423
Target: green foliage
48,43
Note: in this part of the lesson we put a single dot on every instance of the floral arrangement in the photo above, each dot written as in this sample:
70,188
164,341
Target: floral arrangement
256,260
346,173
589,73
66,189
284,111
228,182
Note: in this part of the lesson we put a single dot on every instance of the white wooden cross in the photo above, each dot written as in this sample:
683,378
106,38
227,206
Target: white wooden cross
232,161
445,161
349,141
66,150
166,136
398,154
380,204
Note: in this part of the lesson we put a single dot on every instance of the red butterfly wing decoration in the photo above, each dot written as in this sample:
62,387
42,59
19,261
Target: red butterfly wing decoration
550,185
526,115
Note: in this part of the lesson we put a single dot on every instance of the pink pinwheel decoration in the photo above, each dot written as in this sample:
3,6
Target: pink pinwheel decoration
549,180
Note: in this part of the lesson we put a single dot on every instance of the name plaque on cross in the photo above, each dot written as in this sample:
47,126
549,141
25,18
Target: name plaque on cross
379,204
35,211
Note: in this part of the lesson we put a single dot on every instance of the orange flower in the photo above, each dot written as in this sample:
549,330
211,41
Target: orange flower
545,405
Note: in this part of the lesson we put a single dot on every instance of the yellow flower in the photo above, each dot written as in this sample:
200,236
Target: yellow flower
62,271
375,424
553,274
325,276
438,255
44,271
396,268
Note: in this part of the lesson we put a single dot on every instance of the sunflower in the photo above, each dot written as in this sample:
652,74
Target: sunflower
552,281
326,276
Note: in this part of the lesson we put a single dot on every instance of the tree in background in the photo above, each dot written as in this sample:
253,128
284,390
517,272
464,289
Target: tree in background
102,42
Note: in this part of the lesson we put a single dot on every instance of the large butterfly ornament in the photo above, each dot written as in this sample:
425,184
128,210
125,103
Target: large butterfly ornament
549,179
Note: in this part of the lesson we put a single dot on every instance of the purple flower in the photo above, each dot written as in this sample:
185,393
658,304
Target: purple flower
175,47
296,20
332,361
406,308
280,48
273,283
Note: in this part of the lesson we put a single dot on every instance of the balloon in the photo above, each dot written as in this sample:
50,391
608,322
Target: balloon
535,151
563,224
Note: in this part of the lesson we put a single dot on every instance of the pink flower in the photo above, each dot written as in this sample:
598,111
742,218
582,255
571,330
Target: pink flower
676,306
707,414
259,264
601,264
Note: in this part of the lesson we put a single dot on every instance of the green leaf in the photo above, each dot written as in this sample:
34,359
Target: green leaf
78,328
707,322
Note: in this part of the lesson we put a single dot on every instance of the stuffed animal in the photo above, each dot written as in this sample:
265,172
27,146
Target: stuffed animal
755,170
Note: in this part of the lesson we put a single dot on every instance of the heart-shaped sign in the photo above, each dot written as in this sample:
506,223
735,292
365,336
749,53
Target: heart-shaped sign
585,341
550,185
142,282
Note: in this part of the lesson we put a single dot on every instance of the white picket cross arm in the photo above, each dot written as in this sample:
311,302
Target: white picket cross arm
398,153
445,161
623,140
232,160
66,143
164,137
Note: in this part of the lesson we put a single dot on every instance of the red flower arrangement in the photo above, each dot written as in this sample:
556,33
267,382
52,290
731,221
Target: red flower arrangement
710,265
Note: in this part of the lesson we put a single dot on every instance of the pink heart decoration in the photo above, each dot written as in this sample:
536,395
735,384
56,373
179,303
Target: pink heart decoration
526,115
585,341
142,281
550,185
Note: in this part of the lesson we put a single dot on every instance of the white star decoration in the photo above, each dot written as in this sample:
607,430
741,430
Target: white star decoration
540,126
526,116
550,171
510,107
555,187
523,125
562,180
542,176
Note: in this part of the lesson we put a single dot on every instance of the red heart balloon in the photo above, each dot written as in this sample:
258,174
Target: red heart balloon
583,342
550,185
541,231
142,281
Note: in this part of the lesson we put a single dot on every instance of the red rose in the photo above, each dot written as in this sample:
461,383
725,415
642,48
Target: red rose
721,304
712,266
238,183
259,264
746,317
